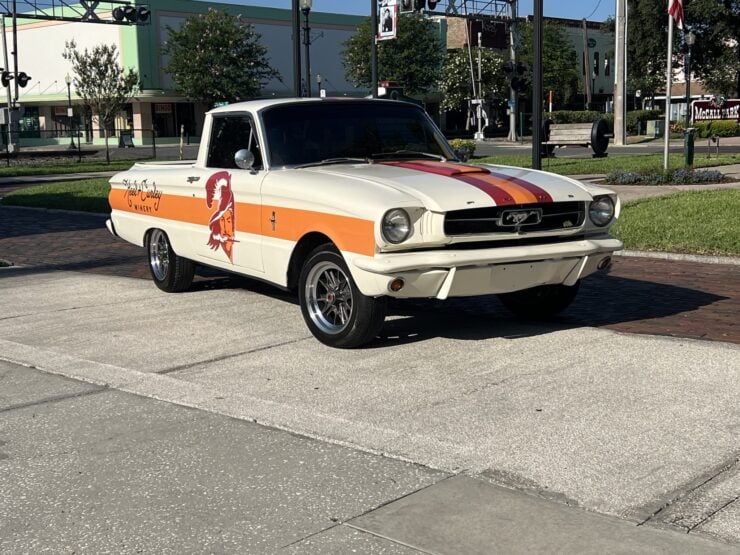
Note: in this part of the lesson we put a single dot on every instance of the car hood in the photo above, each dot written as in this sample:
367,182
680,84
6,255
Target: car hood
445,186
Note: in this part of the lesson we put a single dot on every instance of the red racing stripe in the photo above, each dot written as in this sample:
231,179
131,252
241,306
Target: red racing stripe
540,194
499,196
503,189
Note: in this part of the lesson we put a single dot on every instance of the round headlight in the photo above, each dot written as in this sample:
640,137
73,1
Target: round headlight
396,226
601,210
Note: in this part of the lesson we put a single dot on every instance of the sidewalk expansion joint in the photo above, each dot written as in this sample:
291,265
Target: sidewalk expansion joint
227,357
714,512
388,538
55,399
355,527
693,487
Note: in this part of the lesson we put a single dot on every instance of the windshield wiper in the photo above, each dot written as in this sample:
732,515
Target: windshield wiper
404,154
329,161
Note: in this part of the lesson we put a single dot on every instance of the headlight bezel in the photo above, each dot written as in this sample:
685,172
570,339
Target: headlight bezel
603,220
387,225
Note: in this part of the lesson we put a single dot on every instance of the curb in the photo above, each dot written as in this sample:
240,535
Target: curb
703,259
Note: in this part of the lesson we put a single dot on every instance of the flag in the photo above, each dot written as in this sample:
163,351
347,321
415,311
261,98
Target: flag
675,10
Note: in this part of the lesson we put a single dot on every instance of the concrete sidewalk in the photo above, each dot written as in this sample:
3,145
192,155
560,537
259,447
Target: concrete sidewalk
89,468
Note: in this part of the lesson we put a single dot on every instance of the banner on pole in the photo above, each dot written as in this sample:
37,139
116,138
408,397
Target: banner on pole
388,23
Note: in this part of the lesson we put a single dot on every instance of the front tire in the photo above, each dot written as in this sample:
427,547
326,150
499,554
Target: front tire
335,310
542,302
170,272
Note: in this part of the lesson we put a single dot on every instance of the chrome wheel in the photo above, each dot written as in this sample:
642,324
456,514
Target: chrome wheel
328,297
159,254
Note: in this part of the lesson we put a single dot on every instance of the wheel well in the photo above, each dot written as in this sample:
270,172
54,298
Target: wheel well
147,236
307,243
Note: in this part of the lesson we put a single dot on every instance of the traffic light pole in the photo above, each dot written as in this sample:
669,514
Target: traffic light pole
537,88
512,93
15,51
374,49
7,89
296,48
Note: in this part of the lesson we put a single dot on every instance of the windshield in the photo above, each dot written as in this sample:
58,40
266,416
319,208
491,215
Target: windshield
299,134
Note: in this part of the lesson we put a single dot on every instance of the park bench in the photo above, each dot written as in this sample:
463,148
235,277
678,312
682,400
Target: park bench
596,135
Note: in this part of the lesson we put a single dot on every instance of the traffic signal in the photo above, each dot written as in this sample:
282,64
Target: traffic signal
23,79
517,74
131,13
408,6
6,78
509,69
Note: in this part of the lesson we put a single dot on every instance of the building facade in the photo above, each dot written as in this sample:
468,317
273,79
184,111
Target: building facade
157,108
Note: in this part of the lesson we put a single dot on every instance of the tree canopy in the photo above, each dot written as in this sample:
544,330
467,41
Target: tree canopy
414,58
455,80
217,57
560,64
715,56
104,87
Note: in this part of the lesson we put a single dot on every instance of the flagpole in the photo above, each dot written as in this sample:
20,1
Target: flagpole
667,130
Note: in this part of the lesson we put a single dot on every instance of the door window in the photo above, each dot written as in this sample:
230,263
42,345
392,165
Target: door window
230,134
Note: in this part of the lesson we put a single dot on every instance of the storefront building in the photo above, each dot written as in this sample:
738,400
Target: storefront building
157,109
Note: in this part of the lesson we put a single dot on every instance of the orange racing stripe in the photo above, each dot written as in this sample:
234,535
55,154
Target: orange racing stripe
503,189
349,234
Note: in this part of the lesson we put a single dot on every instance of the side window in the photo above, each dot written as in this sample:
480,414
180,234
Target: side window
230,134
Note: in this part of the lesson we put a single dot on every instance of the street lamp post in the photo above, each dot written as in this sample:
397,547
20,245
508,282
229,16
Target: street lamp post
306,9
690,39
68,80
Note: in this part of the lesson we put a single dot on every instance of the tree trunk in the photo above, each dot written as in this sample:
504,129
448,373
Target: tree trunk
107,150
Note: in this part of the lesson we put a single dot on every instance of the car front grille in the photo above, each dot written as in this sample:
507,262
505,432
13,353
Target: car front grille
498,219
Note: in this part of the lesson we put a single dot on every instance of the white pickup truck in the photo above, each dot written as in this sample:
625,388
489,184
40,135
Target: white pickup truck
352,201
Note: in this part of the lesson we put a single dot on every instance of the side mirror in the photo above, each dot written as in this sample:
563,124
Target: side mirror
244,159
463,153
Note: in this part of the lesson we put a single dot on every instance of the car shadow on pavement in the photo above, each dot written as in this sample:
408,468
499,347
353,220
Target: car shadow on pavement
602,301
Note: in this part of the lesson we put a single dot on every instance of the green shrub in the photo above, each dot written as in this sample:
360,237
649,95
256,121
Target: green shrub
680,176
703,129
457,144
641,117
724,128
572,116
582,116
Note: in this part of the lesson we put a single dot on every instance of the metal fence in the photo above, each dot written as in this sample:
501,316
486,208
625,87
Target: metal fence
62,145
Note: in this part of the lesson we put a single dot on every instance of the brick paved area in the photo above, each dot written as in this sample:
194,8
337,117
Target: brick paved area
640,295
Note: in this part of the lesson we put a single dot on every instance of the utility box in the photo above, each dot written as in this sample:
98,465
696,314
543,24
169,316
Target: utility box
655,128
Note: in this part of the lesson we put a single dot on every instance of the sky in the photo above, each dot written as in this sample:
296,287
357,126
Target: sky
594,10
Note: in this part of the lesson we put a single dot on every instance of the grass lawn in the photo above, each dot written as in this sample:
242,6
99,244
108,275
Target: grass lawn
87,195
71,167
585,166
698,222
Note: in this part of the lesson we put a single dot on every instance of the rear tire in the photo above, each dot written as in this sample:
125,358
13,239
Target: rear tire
542,302
170,272
335,310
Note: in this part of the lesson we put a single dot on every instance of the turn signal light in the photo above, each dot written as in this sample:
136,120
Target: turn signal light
396,285
604,263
